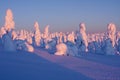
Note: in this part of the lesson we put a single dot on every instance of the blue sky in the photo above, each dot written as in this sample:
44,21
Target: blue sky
62,15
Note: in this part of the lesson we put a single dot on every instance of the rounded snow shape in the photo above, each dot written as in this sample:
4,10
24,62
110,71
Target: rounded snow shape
61,49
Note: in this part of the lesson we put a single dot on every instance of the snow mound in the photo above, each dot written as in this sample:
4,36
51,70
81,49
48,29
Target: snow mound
61,49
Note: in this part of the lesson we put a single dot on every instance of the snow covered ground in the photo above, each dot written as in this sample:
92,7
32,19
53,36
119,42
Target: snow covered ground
41,65
29,66
97,67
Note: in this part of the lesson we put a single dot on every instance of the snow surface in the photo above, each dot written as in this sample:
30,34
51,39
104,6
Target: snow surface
28,66
93,66
40,64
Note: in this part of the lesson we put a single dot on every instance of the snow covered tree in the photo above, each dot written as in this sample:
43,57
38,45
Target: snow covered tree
111,30
80,43
37,34
9,23
83,35
72,49
46,31
60,38
7,42
71,37
118,47
108,48
7,32
23,45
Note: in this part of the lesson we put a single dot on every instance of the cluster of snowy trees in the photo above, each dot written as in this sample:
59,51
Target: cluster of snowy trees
74,43
10,40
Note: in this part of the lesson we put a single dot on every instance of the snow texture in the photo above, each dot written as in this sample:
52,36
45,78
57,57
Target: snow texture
96,67
26,66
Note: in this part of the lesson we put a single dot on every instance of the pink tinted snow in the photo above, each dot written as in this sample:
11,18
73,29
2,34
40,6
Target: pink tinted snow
89,68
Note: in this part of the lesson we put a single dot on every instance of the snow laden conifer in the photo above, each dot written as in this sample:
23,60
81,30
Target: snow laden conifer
82,30
46,31
108,49
111,30
9,23
71,37
7,36
37,34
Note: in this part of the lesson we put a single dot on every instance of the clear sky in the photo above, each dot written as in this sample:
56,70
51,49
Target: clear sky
62,15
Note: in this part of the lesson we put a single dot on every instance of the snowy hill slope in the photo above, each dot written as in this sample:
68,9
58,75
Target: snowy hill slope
28,66
94,68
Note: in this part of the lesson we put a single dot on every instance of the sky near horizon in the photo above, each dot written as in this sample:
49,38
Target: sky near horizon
62,15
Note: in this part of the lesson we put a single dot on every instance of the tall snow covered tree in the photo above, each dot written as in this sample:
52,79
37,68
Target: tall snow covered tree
9,23
111,30
46,31
83,34
7,30
37,34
